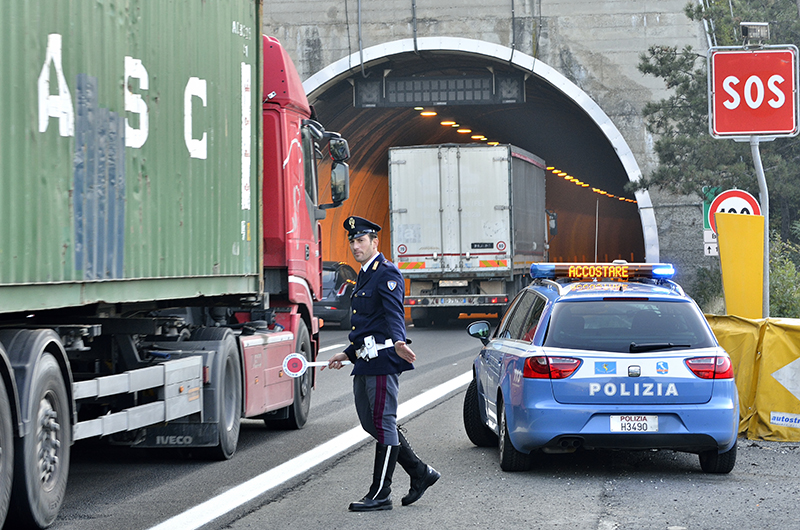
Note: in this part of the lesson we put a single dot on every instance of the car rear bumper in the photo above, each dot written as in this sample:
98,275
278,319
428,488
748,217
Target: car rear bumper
692,428
326,313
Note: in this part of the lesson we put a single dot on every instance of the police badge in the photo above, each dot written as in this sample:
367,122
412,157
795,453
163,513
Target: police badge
391,285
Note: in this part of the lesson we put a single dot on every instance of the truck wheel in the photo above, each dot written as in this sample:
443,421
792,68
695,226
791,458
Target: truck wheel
230,401
42,457
298,411
6,451
229,393
477,432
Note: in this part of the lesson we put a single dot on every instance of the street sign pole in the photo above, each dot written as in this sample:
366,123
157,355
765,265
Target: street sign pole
764,196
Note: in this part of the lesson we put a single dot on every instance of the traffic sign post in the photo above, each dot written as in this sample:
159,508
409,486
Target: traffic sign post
753,96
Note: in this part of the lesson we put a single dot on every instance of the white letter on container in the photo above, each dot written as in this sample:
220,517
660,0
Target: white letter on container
195,87
135,103
60,105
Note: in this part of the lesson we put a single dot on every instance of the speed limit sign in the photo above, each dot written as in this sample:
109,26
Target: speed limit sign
732,201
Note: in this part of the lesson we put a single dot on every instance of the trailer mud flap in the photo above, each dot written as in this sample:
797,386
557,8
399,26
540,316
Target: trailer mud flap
181,435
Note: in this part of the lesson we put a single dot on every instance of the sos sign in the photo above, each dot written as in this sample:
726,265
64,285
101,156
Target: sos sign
753,92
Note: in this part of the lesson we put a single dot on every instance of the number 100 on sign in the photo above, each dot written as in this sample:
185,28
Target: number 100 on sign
753,92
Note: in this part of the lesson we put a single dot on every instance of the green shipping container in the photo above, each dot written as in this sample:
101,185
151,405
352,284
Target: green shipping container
129,151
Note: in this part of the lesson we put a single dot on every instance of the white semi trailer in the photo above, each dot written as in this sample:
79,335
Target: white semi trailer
467,221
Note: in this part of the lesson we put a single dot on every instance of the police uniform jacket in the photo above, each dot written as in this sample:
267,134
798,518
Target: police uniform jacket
377,305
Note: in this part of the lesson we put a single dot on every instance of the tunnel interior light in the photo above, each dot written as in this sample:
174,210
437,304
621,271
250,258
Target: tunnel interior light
464,131
492,143
419,108
582,184
427,113
448,123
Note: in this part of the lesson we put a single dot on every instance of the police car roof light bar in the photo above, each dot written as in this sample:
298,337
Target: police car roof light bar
618,270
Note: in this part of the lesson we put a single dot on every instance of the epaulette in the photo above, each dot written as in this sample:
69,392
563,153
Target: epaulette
375,266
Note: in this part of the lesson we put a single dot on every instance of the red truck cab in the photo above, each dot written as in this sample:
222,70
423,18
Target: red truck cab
292,250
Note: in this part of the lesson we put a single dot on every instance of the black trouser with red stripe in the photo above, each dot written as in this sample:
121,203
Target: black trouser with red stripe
376,404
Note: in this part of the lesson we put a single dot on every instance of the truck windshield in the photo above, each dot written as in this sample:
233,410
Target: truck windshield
614,325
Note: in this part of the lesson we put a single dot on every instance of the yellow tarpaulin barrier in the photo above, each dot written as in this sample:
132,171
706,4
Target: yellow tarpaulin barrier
766,361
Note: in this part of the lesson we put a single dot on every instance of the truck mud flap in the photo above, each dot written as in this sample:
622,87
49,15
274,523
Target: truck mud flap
180,435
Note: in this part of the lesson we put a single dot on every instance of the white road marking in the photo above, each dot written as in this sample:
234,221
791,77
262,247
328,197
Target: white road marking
218,506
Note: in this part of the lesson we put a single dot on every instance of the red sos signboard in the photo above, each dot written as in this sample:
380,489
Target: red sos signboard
753,92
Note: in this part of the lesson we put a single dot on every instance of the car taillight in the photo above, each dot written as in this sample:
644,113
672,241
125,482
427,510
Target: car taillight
711,367
342,289
543,367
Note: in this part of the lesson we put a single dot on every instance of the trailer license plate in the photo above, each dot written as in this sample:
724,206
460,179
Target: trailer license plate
452,301
634,423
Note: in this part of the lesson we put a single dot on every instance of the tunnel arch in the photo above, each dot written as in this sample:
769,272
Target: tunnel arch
338,71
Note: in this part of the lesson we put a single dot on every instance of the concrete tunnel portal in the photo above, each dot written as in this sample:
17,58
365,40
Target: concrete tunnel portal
555,120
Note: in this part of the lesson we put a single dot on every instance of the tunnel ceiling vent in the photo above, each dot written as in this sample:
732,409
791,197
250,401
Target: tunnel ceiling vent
439,91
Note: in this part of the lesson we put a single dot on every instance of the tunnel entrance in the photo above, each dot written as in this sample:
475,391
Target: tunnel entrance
555,120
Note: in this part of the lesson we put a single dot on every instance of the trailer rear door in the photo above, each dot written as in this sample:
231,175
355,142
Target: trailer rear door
450,208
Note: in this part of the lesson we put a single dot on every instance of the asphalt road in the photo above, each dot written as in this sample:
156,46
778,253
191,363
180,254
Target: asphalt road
115,487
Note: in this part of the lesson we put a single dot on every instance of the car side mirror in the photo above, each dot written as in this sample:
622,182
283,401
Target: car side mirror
480,330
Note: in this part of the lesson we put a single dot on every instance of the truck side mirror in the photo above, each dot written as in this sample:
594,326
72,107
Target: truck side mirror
340,185
340,151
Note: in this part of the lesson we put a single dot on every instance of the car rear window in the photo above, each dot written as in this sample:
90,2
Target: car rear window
328,278
613,325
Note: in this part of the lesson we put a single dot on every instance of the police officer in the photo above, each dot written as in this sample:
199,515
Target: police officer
379,352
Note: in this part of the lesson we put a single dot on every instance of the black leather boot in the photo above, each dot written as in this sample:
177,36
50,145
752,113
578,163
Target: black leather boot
378,497
422,475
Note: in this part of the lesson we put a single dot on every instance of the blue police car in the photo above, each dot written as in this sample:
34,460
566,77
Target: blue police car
606,356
